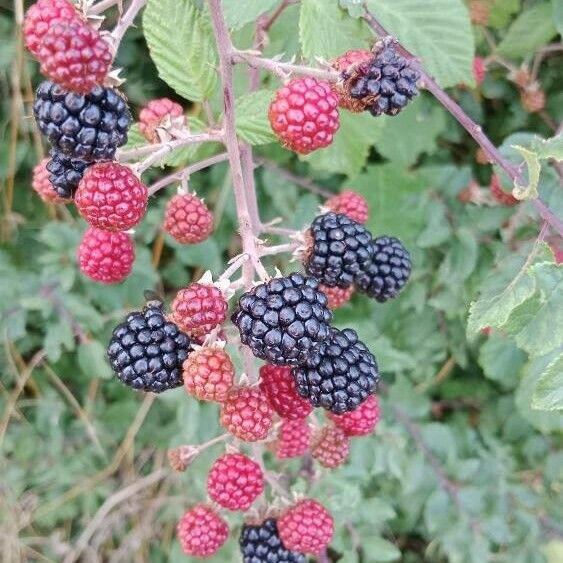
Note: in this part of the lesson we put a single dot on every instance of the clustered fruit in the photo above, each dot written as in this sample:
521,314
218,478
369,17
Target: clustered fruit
285,321
85,119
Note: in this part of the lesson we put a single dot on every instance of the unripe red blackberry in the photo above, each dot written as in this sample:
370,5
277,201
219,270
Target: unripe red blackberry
106,257
337,249
247,414
499,195
261,544
330,447
87,126
532,98
283,320
111,197
74,55
340,375
361,421
201,531
306,527
42,184
209,374
278,386
479,70
198,309
42,16
304,114
235,482
337,296
293,439
388,272
479,11
160,113
351,204
187,219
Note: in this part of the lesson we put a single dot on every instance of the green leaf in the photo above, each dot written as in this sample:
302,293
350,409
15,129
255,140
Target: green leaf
438,32
349,151
420,124
252,121
93,360
558,15
532,29
502,11
379,549
181,46
437,229
529,191
548,395
501,360
238,14
327,31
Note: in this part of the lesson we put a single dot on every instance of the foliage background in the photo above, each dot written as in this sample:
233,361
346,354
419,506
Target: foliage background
461,468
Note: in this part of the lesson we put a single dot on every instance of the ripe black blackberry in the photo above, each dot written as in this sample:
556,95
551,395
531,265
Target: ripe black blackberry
284,320
389,270
337,249
65,173
386,84
83,126
340,375
262,544
146,351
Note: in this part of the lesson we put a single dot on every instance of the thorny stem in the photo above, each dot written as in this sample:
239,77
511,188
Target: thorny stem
126,21
103,5
475,130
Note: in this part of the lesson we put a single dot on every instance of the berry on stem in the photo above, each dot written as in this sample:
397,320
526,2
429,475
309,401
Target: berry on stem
42,184
278,386
330,446
293,439
235,481
347,63
146,351
74,55
351,204
111,197
160,113
337,249
361,421
261,543
88,126
106,257
209,374
201,531
65,173
306,527
283,320
42,16
337,296
247,414
198,309
340,375
479,70
187,219
304,114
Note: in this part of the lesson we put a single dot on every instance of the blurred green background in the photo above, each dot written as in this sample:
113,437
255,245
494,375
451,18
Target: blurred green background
460,469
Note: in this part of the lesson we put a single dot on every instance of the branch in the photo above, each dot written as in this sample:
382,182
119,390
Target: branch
103,5
126,22
466,122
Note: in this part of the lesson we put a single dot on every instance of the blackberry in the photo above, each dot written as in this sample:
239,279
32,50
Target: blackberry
262,544
283,320
340,375
389,270
65,173
146,351
338,249
83,126
386,84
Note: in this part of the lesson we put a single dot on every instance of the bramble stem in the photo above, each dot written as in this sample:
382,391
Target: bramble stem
125,22
102,6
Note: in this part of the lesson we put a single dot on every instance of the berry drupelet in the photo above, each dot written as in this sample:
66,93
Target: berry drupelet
146,351
340,375
262,544
337,249
388,271
283,320
88,126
